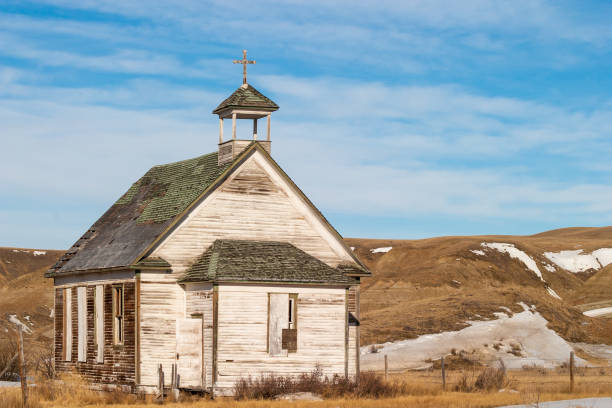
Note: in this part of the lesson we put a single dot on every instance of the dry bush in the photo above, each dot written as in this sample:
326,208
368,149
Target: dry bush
489,379
492,378
271,386
43,364
8,350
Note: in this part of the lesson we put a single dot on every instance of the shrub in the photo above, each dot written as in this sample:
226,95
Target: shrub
271,386
491,378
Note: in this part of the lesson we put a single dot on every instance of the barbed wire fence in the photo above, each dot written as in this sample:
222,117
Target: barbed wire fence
539,371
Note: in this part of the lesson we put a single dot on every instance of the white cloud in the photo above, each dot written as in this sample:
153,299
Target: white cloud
373,153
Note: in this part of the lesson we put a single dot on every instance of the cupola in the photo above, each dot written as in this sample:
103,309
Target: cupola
245,103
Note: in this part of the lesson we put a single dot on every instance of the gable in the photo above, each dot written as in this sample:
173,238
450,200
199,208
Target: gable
256,202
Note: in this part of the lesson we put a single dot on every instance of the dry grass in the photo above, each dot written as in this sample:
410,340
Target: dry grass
417,389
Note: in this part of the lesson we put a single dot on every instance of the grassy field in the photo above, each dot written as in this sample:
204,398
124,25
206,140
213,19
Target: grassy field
421,389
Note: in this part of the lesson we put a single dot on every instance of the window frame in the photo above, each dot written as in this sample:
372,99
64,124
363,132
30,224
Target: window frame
67,324
98,320
118,318
81,324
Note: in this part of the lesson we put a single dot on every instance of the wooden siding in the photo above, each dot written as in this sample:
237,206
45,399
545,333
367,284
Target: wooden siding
199,300
242,333
118,367
161,303
255,203
353,351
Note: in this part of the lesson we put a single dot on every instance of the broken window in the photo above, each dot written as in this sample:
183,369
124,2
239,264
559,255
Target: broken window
118,322
282,323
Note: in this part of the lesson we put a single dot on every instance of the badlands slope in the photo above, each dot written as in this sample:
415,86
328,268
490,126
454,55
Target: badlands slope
452,288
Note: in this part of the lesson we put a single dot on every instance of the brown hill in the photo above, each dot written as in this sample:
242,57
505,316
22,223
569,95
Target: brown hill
25,293
433,285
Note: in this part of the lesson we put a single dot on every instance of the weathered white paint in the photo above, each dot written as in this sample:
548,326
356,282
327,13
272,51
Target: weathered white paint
82,323
353,351
161,303
242,332
257,203
277,320
68,324
199,300
99,319
189,352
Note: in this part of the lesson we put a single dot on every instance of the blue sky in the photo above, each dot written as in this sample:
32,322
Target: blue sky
399,119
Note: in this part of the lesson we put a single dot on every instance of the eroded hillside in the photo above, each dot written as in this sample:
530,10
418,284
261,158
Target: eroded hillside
439,284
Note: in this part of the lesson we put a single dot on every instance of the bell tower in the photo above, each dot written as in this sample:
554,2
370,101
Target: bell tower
245,103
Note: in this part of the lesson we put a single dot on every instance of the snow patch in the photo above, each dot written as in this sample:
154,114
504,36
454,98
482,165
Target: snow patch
604,256
605,402
37,253
598,312
478,252
573,261
381,250
522,339
550,268
13,319
552,293
516,253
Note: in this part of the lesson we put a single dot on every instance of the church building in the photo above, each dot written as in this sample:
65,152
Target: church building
213,268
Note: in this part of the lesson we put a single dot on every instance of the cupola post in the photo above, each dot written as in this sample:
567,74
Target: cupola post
245,103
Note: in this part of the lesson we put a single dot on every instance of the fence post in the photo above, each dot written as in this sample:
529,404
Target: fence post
571,371
160,382
443,374
22,369
386,367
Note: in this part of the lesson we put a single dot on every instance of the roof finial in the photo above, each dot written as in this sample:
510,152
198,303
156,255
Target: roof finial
244,63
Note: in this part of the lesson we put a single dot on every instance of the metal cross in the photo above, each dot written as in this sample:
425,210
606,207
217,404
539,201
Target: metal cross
244,63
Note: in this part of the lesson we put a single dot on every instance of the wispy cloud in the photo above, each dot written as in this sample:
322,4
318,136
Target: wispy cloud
488,110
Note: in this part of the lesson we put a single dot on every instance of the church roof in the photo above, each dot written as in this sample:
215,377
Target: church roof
151,208
145,211
247,97
261,261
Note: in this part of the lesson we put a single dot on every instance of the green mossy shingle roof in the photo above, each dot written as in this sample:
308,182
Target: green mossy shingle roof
261,261
247,97
141,215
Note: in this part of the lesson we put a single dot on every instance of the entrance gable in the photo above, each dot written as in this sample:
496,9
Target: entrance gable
256,202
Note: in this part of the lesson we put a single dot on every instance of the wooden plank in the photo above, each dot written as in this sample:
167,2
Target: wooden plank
215,333
278,320
68,324
99,319
256,203
189,352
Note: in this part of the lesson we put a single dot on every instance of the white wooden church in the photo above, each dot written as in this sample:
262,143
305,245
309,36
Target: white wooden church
219,265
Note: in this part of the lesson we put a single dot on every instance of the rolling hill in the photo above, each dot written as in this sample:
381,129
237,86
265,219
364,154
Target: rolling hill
439,284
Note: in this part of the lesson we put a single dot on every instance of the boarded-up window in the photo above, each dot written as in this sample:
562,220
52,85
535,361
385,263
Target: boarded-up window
67,319
99,322
82,323
282,324
118,314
